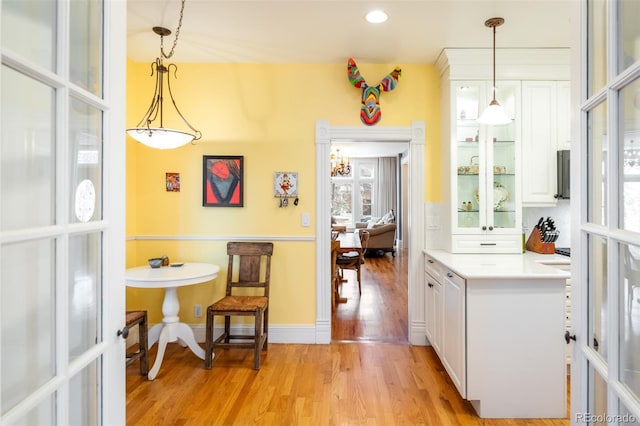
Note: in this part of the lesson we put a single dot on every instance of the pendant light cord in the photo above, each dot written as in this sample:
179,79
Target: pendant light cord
494,63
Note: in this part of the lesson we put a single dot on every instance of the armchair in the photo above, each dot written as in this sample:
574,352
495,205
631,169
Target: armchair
382,237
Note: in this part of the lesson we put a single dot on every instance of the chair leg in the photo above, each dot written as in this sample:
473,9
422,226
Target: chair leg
257,340
359,285
143,345
208,351
227,328
265,328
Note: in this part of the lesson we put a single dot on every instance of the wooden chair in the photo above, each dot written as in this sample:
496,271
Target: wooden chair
353,259
138,318
249,267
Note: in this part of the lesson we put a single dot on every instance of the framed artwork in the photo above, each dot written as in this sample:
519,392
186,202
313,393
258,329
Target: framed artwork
223,182
285,184
172,182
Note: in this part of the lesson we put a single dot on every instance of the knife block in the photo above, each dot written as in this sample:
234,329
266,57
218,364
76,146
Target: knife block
534,243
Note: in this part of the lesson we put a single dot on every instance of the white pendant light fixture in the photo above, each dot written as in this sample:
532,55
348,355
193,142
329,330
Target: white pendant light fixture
494,114
146,131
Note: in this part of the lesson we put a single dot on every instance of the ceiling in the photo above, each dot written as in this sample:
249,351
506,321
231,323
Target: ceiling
323,31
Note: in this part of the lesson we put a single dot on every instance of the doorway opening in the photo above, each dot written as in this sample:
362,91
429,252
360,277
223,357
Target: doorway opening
413,137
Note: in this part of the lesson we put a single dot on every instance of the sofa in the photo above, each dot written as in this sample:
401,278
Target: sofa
382,234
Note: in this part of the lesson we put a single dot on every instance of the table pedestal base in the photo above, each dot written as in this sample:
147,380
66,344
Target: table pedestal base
168,333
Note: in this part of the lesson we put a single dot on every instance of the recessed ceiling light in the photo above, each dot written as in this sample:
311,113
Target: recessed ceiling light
376,16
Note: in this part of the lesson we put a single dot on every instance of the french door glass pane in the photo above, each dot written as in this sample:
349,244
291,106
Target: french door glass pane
597,412
342,202
28,152
86,172
28,319
85,65
597,167
41,414
29,30
629,159
598,306
597,45
629,16
84,390
629,317
84,293
626,418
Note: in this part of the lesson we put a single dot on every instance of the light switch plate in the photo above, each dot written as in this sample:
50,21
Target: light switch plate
305,219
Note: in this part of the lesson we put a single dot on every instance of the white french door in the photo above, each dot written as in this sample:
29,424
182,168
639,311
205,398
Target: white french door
605,381
62,212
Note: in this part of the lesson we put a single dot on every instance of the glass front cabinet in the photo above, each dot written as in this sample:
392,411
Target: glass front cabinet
485,185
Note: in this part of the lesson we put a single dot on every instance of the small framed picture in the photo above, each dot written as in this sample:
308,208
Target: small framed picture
223,182
285,184
172,182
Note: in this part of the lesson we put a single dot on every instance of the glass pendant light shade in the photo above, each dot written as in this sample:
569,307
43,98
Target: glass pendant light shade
494,115
160,138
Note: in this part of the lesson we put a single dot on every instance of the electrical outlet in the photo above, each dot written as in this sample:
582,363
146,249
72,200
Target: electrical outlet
197,311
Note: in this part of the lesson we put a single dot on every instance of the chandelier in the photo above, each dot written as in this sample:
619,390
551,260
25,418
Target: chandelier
146,131
338,165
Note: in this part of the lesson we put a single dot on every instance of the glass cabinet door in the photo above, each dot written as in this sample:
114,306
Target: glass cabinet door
468,155
485,159
502,182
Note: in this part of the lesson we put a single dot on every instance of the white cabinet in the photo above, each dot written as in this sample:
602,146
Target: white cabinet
445,319
483,186
545,129
454,330
433,304
502,333
485,170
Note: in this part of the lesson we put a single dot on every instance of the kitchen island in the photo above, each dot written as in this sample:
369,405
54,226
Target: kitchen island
497,323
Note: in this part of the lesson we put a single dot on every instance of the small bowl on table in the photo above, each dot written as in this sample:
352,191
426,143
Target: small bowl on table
155,262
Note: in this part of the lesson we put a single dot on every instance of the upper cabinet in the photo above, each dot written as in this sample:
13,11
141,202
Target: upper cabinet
492,171
485,190
545,130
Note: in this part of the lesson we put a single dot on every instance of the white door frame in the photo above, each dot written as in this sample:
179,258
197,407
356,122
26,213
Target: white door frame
414,135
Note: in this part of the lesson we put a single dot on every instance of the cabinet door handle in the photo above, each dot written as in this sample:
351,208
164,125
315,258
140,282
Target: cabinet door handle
484,228
449,274
429,260
488,244
491,228
430,285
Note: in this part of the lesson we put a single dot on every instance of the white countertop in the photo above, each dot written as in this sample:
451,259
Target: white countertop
529,265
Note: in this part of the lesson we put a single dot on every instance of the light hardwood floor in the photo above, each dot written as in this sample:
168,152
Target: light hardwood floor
368,375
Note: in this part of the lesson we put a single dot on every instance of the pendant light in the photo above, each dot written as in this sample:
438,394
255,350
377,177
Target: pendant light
494,114
146,131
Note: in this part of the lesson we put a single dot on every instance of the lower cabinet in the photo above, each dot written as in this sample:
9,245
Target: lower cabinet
454,331
445,319
500,339
433,312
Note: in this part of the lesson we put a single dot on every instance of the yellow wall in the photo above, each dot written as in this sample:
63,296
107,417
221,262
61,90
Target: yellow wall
266,113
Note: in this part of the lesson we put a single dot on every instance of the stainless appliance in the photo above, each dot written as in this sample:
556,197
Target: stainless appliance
563,164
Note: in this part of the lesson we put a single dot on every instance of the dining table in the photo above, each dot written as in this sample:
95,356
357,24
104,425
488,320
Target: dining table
170,278
344,242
